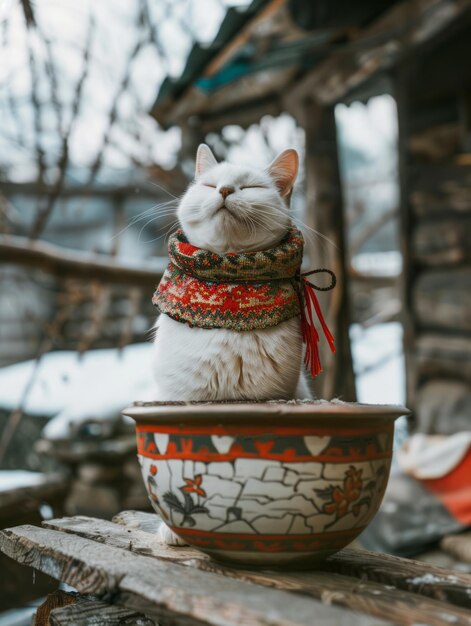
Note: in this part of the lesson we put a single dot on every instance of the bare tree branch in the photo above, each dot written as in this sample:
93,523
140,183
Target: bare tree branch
45,212
28,13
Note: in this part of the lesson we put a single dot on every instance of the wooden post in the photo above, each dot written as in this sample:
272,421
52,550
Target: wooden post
402,81
324,214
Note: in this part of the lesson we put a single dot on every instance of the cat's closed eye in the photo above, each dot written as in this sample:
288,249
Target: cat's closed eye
209,185
254,187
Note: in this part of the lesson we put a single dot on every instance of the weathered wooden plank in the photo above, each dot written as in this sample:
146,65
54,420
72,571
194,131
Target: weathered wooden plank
125,537
443,354
442,242
62,608
55,600
407,574
459,546
331,588
96,613
324,214
440,189
148,522
436,143
375,49
157,588
442,299
402,80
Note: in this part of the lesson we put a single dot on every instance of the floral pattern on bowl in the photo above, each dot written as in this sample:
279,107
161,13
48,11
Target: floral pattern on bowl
256,493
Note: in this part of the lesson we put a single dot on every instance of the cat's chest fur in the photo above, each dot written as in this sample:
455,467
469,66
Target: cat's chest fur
220,364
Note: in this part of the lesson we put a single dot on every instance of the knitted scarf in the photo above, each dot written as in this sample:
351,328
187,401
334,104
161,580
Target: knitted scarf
242,291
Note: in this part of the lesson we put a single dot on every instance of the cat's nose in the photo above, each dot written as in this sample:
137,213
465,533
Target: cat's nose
226,191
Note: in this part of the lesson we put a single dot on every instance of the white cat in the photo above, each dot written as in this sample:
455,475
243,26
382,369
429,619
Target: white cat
232,208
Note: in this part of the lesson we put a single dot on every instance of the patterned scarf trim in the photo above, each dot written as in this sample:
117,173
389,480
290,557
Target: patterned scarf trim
240,291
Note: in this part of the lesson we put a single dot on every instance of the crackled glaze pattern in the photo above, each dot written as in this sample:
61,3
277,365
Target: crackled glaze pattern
290,491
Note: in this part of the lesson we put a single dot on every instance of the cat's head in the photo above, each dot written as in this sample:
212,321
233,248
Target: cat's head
232,208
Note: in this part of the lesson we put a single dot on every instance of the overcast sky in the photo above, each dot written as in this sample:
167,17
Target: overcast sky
163,41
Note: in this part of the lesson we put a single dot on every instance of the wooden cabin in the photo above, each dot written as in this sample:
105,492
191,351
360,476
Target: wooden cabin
304,58
87,282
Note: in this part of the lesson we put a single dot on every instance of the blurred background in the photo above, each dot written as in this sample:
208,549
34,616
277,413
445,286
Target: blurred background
102,107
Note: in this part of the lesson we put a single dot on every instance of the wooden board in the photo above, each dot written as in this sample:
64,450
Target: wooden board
443,356
62,608
458,546
442,300
377,48
96,613
363,582
440,189
443,242
162,590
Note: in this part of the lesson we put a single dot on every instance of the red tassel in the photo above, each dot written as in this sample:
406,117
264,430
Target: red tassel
312,359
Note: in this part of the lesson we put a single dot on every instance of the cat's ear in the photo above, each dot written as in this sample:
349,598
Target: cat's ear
284,170
205,159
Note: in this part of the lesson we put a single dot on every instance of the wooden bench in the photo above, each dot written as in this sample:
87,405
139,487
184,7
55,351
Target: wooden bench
123,575
23,496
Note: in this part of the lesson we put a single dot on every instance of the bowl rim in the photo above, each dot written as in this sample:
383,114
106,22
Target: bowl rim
273,412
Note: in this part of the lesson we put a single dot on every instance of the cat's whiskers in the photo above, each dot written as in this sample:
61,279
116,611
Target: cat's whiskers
156,211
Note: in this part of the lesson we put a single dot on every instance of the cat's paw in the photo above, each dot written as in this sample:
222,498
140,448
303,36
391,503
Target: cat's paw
168,537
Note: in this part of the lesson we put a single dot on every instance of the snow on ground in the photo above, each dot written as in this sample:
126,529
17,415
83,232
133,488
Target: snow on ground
15,479
48,395
74,388
99,384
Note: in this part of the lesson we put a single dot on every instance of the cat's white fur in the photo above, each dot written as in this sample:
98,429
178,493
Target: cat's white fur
220,364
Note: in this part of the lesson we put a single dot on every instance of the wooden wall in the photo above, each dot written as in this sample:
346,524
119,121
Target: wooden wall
43,299
433,93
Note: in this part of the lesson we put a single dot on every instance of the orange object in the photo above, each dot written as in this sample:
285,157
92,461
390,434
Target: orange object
454,489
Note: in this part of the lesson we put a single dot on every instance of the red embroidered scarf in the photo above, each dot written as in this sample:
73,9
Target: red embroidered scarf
240,291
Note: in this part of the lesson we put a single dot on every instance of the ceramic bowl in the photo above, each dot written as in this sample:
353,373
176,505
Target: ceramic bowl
271,483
